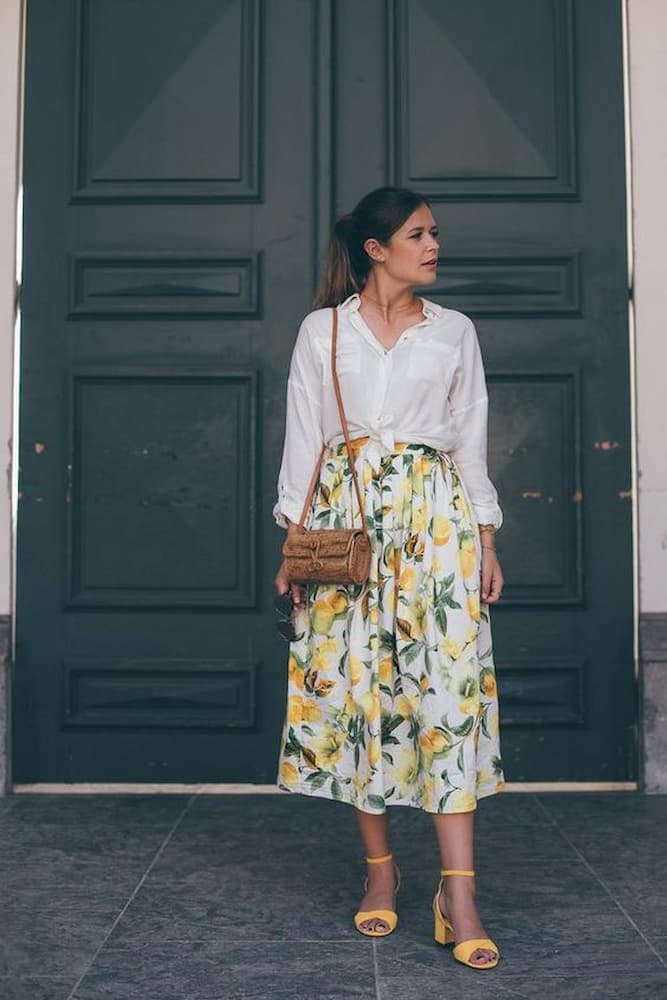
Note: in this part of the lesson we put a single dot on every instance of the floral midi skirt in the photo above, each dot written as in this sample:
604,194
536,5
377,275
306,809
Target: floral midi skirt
392,696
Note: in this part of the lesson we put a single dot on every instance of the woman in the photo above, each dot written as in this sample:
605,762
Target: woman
392,695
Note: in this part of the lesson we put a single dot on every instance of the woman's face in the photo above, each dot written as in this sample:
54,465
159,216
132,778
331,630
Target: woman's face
411,256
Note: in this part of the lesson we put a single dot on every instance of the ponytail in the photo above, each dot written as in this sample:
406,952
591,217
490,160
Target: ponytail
377,216
340,279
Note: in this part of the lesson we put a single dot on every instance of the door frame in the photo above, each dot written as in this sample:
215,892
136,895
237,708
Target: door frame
11,190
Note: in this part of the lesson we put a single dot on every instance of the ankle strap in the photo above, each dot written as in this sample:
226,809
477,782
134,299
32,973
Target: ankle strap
455,871
376,861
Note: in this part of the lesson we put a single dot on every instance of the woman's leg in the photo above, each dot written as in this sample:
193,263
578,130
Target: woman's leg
457,898
381,877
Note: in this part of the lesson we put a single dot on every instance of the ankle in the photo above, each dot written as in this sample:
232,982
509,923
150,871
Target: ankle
384,874
378,864
458,888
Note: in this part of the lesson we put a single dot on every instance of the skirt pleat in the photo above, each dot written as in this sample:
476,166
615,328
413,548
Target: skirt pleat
392,695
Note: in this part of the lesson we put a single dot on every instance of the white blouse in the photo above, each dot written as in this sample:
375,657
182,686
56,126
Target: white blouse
429,388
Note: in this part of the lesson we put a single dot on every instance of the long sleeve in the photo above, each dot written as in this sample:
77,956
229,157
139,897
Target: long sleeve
303,429
468,402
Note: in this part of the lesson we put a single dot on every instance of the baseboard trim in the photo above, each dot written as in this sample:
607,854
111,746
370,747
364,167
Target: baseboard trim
137,788
571,786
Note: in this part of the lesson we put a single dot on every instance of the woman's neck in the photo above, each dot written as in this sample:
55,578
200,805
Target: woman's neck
387,301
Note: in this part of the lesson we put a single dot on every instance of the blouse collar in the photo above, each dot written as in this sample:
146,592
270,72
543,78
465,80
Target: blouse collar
430,309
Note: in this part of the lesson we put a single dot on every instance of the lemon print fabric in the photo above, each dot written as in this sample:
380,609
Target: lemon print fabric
392,696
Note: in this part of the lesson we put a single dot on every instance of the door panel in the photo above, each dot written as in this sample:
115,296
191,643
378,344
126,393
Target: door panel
509,117
183,164
166,266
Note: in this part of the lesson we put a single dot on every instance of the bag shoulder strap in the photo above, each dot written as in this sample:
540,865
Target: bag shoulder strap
346,434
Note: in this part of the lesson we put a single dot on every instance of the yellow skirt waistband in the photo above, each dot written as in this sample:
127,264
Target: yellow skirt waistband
359,442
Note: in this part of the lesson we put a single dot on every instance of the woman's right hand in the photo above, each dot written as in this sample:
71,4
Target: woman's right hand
282,585
281,582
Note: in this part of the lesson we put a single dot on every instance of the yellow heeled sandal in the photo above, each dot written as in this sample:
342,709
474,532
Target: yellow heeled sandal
444,932
390,917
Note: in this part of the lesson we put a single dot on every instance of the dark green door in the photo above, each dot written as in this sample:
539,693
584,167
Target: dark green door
182,166
509,116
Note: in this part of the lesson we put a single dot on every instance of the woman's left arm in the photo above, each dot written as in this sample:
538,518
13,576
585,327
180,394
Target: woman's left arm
468,402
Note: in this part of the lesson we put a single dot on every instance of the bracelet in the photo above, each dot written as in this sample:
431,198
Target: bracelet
491,547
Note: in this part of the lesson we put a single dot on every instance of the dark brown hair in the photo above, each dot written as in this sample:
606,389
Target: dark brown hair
377,216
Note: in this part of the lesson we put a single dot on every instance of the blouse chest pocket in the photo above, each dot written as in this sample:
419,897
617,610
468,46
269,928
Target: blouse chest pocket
432,362
348,360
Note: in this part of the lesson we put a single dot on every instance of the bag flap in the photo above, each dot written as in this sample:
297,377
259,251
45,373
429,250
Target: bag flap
304,545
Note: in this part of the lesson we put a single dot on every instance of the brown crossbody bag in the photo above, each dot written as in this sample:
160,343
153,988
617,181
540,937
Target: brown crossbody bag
329,555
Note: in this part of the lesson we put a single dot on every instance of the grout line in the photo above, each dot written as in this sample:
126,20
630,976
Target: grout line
601,881
244,939
511,991
133,895
376,971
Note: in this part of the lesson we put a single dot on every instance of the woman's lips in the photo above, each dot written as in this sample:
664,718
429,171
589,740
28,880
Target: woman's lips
432,264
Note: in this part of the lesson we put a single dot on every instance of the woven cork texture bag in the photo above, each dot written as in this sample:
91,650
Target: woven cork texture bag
328,556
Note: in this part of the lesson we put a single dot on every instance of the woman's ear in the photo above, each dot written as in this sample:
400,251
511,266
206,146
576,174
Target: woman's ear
374,250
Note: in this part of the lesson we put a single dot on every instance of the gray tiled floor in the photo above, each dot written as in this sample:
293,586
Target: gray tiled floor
238,897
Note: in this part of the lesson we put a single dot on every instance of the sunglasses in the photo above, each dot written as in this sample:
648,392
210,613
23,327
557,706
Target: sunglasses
283,605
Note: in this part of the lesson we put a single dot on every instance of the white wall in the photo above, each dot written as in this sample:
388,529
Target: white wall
648,85
10,44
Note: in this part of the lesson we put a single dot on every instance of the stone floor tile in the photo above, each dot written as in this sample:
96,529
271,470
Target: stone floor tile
55,931
233,971
253,896
36,988
621,968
